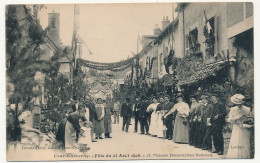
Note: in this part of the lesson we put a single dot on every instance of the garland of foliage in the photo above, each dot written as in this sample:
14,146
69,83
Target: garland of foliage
105,66
192,69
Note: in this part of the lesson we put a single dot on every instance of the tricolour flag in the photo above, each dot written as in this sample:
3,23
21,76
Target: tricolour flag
207,24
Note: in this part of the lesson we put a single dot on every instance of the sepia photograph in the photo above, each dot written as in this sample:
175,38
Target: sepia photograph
129,81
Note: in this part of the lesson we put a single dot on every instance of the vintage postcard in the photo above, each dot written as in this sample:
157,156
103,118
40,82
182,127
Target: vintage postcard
129,81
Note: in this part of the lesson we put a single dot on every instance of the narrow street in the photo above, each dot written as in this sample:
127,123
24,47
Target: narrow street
121,146
176,64
136,146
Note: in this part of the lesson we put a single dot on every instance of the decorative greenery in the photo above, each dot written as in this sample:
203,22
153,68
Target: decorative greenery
116,66
192,69
57,94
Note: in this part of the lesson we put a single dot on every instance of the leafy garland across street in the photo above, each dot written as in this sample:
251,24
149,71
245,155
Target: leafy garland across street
116,66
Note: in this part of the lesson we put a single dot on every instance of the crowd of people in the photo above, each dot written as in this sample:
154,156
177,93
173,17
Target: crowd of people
199,123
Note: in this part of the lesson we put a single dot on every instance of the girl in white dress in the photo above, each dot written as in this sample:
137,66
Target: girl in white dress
153,124
239,146
159,111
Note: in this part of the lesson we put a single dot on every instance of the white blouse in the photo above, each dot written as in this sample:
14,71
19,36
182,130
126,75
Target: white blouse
182,108
236,114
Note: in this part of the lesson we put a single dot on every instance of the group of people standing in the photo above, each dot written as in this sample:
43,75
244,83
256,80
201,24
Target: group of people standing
199,124
162,118
87,123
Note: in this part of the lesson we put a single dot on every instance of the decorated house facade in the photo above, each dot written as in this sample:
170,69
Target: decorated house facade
202,48
210,58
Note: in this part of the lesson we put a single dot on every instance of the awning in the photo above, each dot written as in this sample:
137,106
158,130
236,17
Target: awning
205,72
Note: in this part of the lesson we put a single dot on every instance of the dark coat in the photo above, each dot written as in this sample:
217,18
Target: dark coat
167,107
126,110
219,109
206,112
159,107
73,118
143,108
60,136
92,110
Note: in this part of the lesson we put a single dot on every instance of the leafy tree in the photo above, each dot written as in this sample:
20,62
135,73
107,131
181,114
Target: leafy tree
57,91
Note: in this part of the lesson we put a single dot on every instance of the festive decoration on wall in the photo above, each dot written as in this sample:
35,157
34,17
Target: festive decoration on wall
194,45
209,34
192,69
168,61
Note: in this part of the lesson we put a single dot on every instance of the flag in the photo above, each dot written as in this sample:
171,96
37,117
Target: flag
81,41
207,26
76,18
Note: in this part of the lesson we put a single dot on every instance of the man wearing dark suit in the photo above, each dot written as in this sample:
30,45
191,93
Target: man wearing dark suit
217,120
126,113
206,112
143,116
136,109
169,119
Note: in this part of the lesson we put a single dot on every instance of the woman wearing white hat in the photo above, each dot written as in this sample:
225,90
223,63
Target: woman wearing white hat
241,118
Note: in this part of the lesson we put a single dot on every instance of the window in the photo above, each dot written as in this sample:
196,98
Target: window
192,44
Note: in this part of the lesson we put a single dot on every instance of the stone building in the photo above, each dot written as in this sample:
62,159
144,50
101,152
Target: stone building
213,41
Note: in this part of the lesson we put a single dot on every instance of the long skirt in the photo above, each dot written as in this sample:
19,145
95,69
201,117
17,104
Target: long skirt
99,126
160,126
197,139
153,124
239,146
86,137
181,130
192,132
71,145
107,124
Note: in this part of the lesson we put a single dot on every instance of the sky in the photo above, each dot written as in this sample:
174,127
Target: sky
109,30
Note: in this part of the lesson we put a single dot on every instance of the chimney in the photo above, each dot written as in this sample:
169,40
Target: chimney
165,22
156,30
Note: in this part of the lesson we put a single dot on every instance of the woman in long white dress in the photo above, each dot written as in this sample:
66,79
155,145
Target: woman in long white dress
160,113
239,146
153,123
